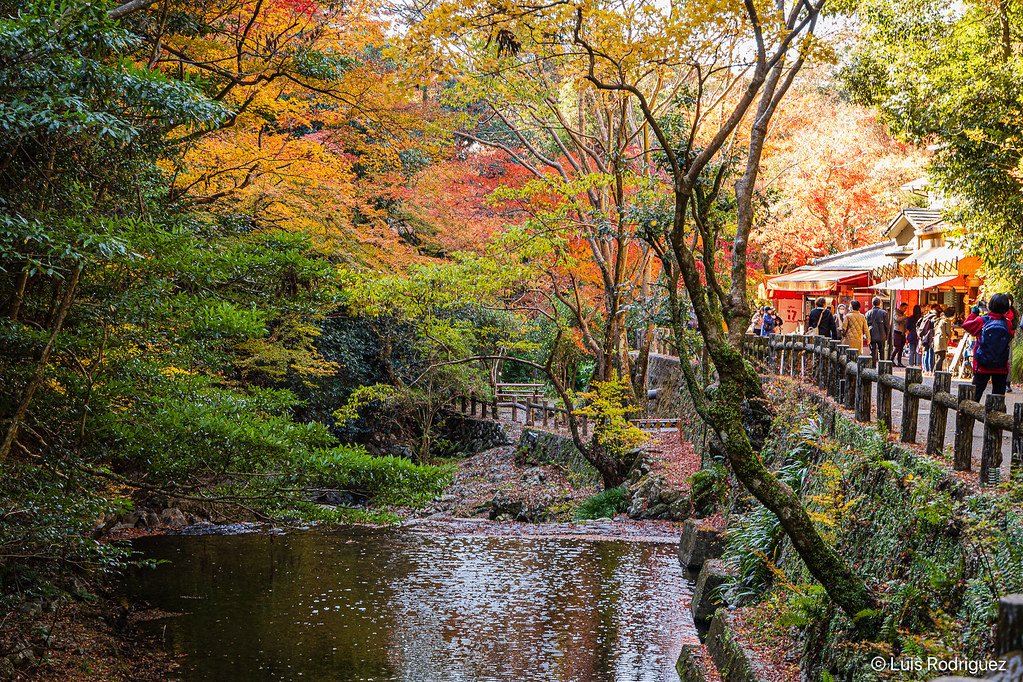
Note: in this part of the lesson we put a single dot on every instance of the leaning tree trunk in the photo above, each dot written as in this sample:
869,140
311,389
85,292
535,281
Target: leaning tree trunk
44,358
738,385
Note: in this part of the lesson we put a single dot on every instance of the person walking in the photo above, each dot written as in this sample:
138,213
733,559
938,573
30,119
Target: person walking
926,331
880,329
993,333
840,312
855,328
756,324
821,322
912,337
899,324
1013,318
769,321
942,335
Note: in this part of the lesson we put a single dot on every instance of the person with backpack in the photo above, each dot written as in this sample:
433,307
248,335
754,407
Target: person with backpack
1013,317
993,333
925,329
912,337
821,322
880,329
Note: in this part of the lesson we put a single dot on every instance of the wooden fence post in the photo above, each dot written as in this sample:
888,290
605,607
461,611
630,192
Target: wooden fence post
834,355
462,403
822,362
810,359
963,448
851,355
529,411
991,454
797,357
545,413
515,408
472,405
863,390
939,413
1009,631
494,411
793,366
1017,439
884,394
840,355
910,404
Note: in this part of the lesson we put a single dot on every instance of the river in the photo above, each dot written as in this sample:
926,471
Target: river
416,603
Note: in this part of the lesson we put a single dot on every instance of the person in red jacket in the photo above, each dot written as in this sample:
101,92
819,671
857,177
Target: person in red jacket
1013,317
993,333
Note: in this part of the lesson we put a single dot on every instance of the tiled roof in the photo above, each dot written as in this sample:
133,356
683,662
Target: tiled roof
923,220
864,258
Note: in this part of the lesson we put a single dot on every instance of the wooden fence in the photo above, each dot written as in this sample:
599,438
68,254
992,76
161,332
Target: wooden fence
530,404
854,382
526,397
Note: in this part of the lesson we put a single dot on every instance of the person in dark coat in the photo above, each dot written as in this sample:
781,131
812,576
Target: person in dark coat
821,321
912,337
880,329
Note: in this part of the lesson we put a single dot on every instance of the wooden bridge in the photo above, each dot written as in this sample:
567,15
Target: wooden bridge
511,399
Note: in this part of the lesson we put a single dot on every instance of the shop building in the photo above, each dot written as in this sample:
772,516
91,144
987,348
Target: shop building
838,278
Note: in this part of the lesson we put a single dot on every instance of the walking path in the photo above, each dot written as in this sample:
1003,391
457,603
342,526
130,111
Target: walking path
924,416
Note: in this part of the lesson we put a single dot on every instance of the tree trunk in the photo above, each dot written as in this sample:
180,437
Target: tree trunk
44,358
845,588
19,293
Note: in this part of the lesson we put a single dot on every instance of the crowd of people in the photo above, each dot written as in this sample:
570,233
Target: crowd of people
916,338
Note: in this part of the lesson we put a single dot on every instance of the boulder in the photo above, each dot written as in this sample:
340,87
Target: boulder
23,656
32,609
173,517
706,600
734,661
699,544
691,666
504,505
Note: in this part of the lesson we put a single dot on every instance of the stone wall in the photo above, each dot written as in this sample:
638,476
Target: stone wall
470,436
541,447
671,397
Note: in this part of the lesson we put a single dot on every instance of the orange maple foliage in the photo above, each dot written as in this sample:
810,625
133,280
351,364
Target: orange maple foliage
832,175
322,132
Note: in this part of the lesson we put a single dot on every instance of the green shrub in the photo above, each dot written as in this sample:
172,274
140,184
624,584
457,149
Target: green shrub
604,504
709,486
391,480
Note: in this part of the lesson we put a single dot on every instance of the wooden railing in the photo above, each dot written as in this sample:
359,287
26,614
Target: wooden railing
855,383
530,403
549,415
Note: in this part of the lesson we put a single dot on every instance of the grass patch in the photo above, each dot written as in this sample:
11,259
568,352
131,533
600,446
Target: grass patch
603,505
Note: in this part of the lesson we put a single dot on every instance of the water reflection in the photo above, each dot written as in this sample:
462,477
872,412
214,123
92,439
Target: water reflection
397,604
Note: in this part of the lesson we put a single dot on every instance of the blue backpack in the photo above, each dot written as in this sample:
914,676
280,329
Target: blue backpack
991,352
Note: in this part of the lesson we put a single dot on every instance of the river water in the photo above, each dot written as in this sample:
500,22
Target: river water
416,604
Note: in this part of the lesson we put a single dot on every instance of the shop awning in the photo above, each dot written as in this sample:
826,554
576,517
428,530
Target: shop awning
912,283
811,280
935,254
